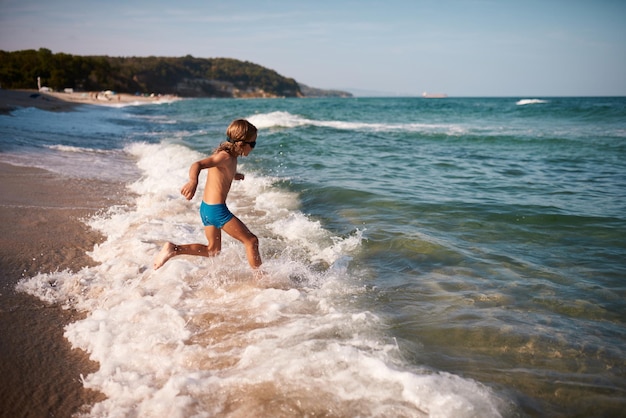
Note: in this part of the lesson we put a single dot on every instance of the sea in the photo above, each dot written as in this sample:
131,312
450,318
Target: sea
457,257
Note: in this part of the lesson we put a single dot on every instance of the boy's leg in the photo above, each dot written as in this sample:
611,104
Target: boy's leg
238,230
169,249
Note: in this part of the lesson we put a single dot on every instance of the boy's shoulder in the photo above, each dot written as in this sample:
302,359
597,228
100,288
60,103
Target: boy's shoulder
223,153
223,156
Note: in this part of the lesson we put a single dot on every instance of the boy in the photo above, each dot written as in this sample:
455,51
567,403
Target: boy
222,166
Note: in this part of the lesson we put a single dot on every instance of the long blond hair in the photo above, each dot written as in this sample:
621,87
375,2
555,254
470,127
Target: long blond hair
238,131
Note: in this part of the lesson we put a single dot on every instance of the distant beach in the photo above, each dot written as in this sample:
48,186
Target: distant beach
61,101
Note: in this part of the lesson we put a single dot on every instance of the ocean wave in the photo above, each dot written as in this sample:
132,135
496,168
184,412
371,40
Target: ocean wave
200,337
282,119
524,102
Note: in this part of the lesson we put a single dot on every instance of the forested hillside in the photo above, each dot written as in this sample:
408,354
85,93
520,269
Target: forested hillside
184,76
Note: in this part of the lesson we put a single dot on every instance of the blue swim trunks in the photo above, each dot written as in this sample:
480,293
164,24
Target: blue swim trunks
215,215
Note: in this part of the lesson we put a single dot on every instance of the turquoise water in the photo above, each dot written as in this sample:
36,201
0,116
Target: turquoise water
490,235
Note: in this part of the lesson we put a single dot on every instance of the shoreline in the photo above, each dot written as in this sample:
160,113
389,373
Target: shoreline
11,100
43,231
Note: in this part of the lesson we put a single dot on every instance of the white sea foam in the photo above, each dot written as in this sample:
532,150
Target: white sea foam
201,338
69,148
157,101
529,102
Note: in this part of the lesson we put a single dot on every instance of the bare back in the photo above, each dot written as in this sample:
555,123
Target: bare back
220,175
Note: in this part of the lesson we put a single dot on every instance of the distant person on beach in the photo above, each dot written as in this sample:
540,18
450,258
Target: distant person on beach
222,166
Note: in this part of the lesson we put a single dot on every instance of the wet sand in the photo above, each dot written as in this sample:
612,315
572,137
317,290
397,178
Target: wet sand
41,231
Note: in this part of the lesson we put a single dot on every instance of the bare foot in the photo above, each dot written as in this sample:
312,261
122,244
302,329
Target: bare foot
168,251
259,274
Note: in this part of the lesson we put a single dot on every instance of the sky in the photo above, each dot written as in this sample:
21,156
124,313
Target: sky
476,48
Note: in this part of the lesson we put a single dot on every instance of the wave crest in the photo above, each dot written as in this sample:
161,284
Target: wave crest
524,102
282,119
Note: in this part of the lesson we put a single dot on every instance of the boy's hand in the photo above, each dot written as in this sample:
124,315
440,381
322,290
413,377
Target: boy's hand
189,190
239,176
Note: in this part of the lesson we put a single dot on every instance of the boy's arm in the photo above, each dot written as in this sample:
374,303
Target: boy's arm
189,189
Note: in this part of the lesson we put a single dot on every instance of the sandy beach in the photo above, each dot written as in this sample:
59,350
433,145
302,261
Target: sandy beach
42,231
59,101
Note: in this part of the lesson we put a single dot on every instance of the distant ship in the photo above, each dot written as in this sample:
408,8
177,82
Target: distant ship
434,95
